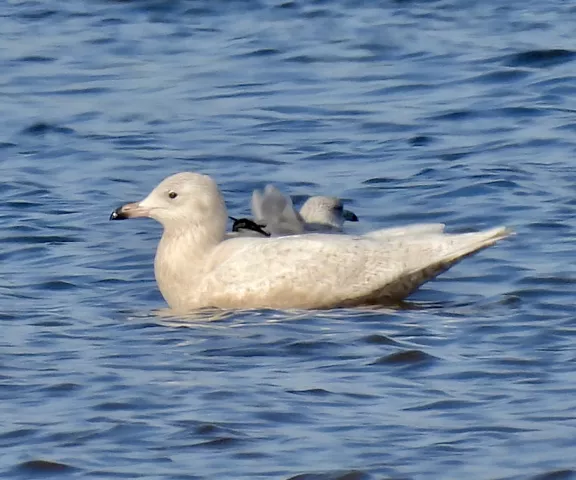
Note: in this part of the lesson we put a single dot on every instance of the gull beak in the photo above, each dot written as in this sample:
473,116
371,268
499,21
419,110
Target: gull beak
349,216
130,210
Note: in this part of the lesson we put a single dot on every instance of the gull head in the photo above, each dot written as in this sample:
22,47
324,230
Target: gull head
327,211
180,201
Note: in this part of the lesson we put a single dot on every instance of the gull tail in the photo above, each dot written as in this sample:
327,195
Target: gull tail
441,253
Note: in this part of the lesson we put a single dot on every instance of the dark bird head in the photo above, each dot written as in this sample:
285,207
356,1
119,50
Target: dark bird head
247,224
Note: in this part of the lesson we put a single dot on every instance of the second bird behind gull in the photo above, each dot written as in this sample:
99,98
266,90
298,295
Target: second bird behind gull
275,215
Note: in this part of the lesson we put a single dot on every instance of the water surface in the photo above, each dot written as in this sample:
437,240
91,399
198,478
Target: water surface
448,111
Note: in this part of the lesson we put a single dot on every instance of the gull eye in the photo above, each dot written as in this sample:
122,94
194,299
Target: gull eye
172,194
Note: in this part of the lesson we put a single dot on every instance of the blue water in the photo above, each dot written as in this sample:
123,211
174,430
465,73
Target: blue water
455,111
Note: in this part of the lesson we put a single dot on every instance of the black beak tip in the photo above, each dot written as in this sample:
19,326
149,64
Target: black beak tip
117,214
353,218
